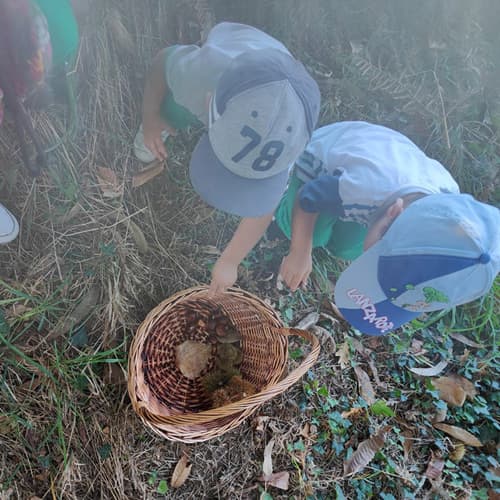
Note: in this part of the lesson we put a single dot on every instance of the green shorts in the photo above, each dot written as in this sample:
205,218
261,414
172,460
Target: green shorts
342,239
174,114
63,30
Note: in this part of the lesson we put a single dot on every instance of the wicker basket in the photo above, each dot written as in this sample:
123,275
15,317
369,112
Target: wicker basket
176,407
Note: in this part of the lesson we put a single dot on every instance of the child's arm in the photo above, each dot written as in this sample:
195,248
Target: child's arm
246,236
154,92
297,265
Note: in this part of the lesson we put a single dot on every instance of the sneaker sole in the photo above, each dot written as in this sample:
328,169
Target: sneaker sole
13,231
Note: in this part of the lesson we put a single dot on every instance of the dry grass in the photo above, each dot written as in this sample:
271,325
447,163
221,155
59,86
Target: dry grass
66,427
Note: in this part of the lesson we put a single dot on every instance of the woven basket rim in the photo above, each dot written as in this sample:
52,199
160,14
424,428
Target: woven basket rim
236,409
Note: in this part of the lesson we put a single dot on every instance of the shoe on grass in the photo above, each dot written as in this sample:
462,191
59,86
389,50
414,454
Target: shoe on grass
141,151
9,228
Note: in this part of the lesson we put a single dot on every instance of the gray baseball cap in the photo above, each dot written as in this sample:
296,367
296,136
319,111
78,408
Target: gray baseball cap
261,117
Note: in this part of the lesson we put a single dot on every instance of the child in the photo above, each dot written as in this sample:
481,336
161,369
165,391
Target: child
25,56
442,251
362,187
63,29
36,36
260,107
351,182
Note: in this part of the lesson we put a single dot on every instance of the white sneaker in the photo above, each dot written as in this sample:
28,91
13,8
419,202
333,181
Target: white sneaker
9,228
141,151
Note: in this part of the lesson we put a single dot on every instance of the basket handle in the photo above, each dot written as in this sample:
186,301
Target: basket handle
261,397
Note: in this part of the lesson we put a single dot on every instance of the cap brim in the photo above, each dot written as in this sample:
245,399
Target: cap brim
232,193
361,300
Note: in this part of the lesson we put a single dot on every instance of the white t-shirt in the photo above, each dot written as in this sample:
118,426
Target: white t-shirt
354,170
192,72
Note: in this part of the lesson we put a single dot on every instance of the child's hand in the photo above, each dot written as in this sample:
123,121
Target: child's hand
295,269
224,275
154,125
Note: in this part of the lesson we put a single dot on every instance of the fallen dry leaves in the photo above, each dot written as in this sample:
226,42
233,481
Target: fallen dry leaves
434,467
324,335
365,452
343,355
353,413
148,173
465,340
459,433
440,414
277,479
109,184
267,464
181,472
260,422
79,313
307,322
366,354
454,389
366,390
432,371
407,443
139,238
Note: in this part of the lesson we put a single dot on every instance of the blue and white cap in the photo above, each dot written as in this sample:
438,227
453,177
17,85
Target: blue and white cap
442,251
261,117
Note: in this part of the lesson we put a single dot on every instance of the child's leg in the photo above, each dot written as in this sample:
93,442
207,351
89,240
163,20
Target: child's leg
174,114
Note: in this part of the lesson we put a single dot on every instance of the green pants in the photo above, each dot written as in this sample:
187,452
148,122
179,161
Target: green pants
174,114
63,30
342,239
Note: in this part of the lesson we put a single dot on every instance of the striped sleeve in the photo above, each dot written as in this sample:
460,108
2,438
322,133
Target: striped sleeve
321,195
